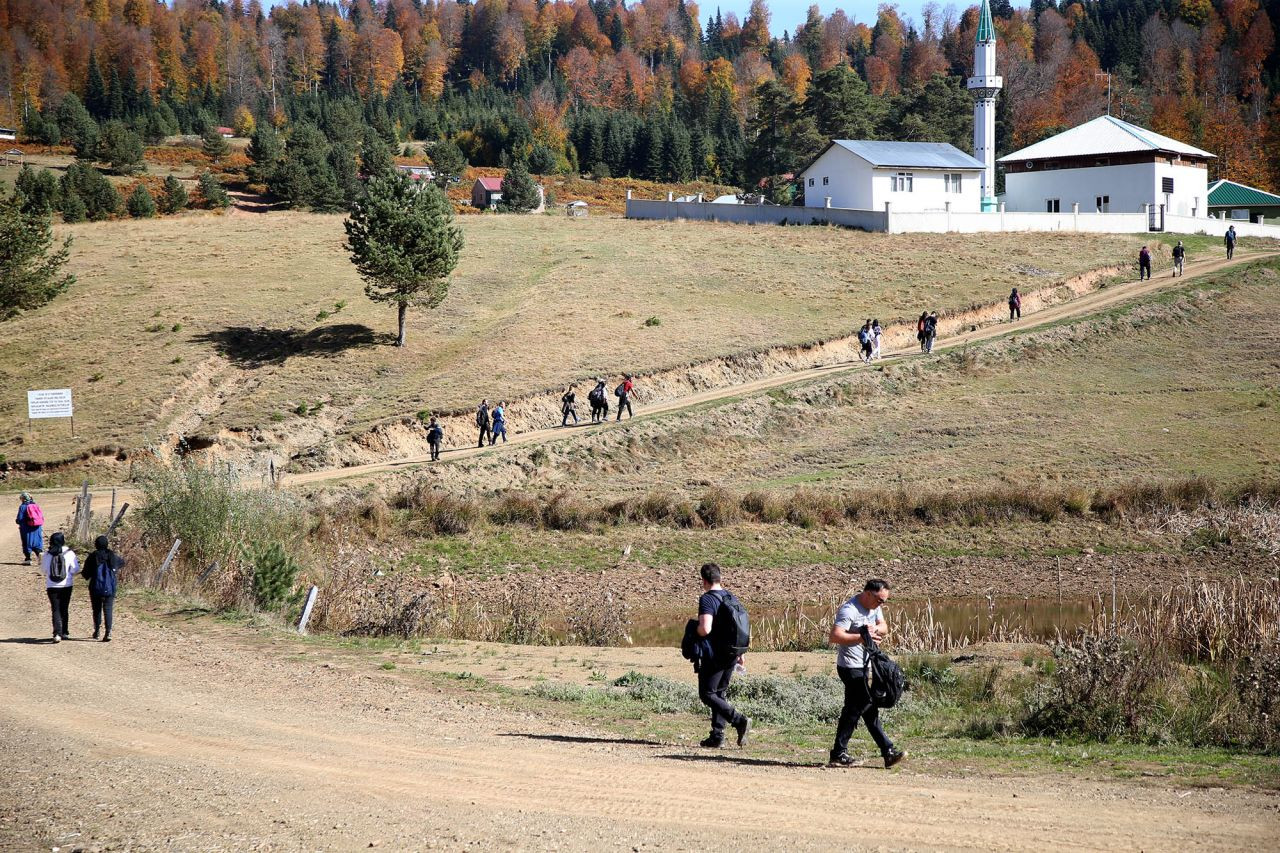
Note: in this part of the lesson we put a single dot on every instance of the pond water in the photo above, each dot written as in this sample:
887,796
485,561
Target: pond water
957,619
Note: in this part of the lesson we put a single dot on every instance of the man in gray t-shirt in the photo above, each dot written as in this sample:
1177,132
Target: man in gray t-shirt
858,614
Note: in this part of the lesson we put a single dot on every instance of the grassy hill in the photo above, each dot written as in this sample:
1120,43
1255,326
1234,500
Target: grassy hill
238,322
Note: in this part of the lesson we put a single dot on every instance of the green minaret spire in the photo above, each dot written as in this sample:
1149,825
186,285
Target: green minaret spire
986,29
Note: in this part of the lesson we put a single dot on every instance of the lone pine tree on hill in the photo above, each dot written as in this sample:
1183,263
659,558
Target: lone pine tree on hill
404,243
30,267
519,192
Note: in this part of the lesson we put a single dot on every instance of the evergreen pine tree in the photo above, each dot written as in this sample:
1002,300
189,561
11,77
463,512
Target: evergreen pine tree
95,92
404,244
375,155
214,145
174,199
141,205
30,266
120,148
264,153
215,197
115,96
519,192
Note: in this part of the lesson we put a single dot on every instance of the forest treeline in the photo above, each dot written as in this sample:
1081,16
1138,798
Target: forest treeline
656,89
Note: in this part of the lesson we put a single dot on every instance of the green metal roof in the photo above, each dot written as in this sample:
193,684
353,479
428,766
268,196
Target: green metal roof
1231,194
986,29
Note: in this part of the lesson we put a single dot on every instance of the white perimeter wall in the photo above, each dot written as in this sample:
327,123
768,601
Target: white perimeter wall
852,183
1130,187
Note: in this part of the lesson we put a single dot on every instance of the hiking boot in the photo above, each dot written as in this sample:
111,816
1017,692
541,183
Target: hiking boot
26,562
66,636
107,638
57,639
744,731
95,633
842,759
892,757
711,742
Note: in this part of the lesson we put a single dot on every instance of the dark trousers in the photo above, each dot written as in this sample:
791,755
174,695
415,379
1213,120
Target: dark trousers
435,451
485,433
1231,250
59,603
1144,270
569,413
1015,311
101,611
624,403
857,705
713,681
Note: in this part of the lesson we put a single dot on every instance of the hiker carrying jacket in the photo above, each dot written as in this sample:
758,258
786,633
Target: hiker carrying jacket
482,422
435,435
924,315
30,523
568,407
101,568
1144,263
1229,240
863,610
714,674
59,566
1015,305
598,397
499,424
623,393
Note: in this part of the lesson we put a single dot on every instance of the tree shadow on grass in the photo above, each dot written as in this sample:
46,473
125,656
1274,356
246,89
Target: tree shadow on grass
255,347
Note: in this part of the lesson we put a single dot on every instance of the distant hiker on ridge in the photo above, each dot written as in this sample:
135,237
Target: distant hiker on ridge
877,332
30,527
930,330
1015,305
1179,257
1144,263
569,407
924,316
435,434
101,568
482,422
499,424
1229,240
864,342
59,566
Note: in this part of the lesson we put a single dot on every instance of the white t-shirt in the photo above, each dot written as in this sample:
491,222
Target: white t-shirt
851,616
73,566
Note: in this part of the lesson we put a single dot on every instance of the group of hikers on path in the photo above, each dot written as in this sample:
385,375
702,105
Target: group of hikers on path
491,422
1179,253
59,566
717,639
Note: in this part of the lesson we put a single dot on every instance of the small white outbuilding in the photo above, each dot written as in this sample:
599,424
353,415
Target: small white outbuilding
1108,166
862,174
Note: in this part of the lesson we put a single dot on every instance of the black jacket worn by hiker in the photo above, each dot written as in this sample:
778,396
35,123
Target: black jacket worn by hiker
714,674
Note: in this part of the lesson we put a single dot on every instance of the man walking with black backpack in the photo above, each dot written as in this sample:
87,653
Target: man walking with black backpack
723,620
859,613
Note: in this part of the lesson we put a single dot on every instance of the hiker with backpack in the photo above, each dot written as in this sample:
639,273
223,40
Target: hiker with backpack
723,625
569,407
1015,305
864,342
1144,263
30,527
1229,240
598,397
930,330
499,424
623,393
59,566
859,625
1179,259
101,568
482,422
435,435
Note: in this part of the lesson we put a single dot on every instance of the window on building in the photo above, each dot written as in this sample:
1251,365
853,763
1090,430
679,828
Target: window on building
903,181
824,181
1166,185
811,182
1103,203
951,182
1053,205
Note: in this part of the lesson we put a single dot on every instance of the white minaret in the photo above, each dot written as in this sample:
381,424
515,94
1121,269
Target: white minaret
985,85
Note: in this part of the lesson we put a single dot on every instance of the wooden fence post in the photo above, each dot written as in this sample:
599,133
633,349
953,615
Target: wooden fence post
116,522
306,610
209,572
164,567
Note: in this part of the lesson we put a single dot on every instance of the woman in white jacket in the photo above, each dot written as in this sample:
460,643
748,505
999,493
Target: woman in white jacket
59,566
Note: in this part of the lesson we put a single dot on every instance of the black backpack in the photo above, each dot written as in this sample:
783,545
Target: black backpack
620,390
885,680
58,567
731,627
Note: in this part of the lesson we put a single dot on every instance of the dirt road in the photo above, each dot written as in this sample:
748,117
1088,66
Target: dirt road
1091,303
196,739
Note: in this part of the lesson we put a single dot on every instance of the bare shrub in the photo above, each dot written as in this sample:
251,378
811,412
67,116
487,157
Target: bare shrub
685,514
564,512
599,618
718,508
655,507
517,508
813,509
437,511
764,507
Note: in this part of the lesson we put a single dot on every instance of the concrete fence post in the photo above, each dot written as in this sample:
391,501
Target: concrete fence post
888,223
628,195
671,196
306,610
1001,208
699,198
826,202
946,205
1075,215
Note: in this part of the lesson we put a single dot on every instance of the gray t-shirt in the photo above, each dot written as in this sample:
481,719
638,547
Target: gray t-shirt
851,616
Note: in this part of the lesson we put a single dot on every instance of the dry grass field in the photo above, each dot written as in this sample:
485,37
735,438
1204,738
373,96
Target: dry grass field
233,321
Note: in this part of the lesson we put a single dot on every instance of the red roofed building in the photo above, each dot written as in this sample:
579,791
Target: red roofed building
486,192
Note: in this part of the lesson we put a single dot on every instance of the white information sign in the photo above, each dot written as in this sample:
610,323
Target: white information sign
50,403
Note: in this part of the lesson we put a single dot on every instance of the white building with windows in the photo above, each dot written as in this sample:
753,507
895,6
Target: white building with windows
863,174
1108,166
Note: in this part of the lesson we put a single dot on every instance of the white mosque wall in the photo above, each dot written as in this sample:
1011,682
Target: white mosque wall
1125,189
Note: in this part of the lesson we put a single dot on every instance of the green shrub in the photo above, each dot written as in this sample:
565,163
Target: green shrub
517,508
275,573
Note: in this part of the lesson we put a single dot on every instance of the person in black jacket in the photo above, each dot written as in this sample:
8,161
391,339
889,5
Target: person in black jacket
482,422
569,407
714,674
435,434
101,568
